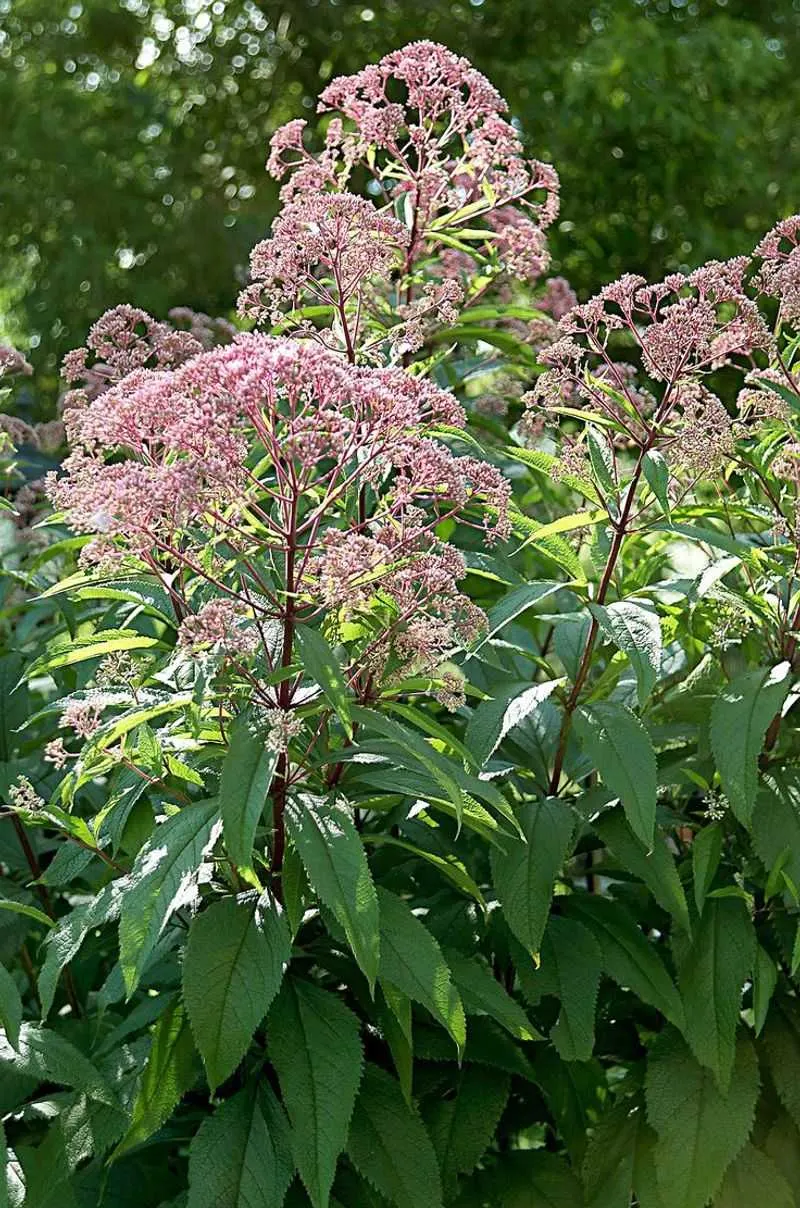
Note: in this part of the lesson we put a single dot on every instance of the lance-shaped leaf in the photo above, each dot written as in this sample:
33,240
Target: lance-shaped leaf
711,978
524,873
493,719
241,1156
170,1071
740,718
610,1155
781,1047
570,970
700,1129
462,1127
482,994
162,880
656,472
46,1056
636,631
706,852
314,1045
246,776
620,748
235,956
653,864
10,1006
321,664
412,961
754,1179
65,940
630,959
66,651
517,601
333,855
389,1146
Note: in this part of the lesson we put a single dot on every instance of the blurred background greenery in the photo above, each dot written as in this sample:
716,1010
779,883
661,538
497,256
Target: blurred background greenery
134,134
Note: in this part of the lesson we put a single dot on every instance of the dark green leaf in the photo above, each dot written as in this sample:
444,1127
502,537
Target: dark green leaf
246,777
525,872
740,718
620,748
169,1073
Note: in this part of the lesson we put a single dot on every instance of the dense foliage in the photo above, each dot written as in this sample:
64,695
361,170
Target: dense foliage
133,135
398,727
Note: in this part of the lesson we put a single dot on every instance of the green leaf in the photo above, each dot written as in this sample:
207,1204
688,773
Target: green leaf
636,631
48,1057
412,961
628,957
656,472
655,867
524,873
711,978
461,1128
610,1155
169,1073
529,1178
780,1043
517,601
389,1146
494,719
482,994
740,718
620,748
601,458
321,664
700,1129
776,826
247,773
334,858
66,651
706,852
235,956
241,1156
570,970
10,1006
754,1179
765,978
162,880
313,1043
12,1180
30,912
66,938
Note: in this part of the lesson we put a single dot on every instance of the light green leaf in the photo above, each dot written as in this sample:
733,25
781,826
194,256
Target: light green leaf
711,978
700,1129
461,1128
654,866
235,956
620,748
524,873
740,718
30,912
493,719
247,773
519,600
636,631
601,458
10,1006
628,957
314,1045
334,858
482,994
321,664
169,1073
389,1146
66,651
162,880
656,472
754,1179
241,1156
412,961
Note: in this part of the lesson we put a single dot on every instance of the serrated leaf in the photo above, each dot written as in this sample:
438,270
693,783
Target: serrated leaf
48,1057
754,1179
461,1128
529,1178
571,963
654,866
700,1129
610,1156
235,956
493,720
740,718
313,1042
65,940
10,1006
636,631
620,748
656,472
601,459
67,651
706,852
776,826
247,773
321,664
517,601
780,1043
389,1146
524,873
482,994
711,978
161,882
412,961
241,1156
169,1073
334,858
765,978
628,957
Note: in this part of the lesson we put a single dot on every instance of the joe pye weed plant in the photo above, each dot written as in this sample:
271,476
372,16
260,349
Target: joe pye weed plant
399,745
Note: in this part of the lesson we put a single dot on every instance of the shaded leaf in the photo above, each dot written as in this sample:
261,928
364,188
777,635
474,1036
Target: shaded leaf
740,718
